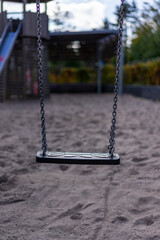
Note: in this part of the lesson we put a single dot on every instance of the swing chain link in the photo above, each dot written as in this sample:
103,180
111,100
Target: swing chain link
40,77
111,147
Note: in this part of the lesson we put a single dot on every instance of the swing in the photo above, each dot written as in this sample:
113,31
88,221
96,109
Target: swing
110,158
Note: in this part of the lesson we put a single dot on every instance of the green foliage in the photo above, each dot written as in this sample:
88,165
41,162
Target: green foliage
73,63
127,74
83,75
146,41
142,73
151,13
145,45
73,75
68,75
130,14
106,24
108,74
147,73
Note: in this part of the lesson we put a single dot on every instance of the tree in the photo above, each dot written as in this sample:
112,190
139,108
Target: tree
60,17
146,43
130,21
151,14
106,23
130,14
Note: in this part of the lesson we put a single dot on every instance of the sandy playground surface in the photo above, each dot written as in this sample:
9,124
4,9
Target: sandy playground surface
52,202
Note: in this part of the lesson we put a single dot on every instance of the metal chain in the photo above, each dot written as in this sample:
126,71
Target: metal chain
40,77
39,49
116,86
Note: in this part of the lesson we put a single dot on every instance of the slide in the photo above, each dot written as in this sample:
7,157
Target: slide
7,43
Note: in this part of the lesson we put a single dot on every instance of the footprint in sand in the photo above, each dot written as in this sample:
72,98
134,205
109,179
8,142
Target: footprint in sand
133,171
74,213
86,172
146,200
141,205
120,219
156,154
76,216
136,211
147,221
2,163
156,237
139,159
144,147
141,164
6,182
11,200
64,167
97,220
4,178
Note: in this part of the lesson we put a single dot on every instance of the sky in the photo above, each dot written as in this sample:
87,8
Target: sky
86,14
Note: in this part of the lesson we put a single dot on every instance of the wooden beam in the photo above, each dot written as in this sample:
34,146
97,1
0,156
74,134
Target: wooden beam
99,69
24,5
1,6
46,6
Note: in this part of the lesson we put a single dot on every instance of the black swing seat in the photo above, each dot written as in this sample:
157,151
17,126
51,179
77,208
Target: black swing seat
78,158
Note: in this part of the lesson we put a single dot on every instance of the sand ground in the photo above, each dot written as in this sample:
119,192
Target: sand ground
52,202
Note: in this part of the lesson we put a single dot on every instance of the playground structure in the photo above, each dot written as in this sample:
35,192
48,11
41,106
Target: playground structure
18,53
95,46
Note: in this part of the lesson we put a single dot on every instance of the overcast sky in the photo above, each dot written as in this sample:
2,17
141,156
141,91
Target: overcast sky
86,14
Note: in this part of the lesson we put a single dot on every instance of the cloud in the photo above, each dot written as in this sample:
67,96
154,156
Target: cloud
86,14
75,1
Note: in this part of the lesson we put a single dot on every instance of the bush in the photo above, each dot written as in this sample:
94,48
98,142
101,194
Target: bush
143,73
73,75
52,77
86,75
147,73
108,74
68,75
127,74
83,75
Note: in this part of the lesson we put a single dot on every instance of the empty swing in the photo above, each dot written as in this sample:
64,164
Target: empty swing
110,158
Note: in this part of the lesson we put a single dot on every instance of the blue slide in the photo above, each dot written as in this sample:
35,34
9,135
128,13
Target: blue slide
7,42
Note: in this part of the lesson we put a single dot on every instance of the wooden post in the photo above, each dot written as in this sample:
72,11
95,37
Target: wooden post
24,5
99,74
1,6
46,6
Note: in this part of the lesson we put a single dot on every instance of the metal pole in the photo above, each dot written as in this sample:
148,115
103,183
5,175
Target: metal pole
121,72
99,73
